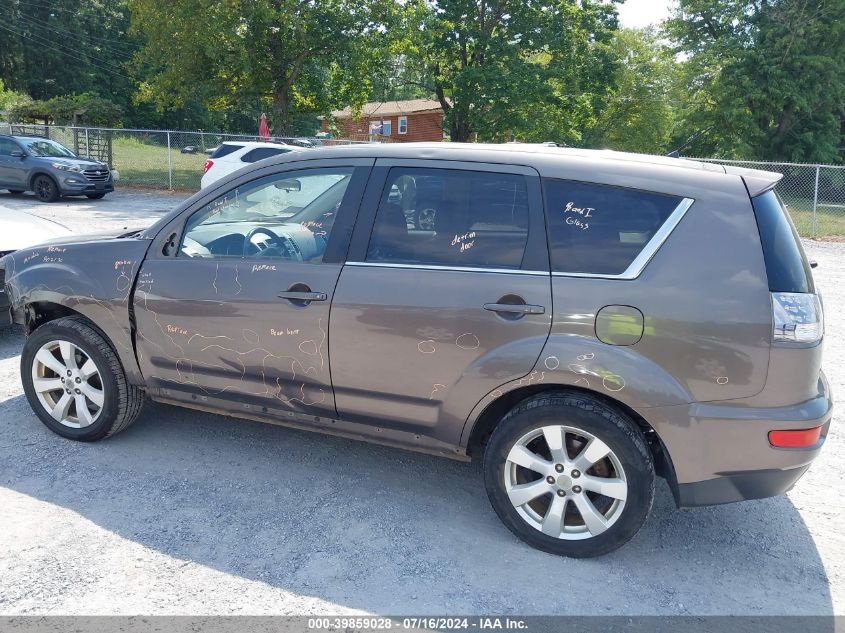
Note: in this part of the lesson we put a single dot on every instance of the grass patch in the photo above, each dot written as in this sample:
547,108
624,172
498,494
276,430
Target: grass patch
830,218
145,164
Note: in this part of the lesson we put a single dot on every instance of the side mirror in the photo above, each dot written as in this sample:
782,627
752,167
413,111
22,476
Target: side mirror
17,154
289,184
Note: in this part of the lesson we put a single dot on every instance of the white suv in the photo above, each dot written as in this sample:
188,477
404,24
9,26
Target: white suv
232,155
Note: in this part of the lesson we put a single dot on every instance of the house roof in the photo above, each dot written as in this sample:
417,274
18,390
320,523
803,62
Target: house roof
391,108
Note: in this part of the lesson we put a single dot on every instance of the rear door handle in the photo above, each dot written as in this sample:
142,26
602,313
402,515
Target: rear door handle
302,296
514,308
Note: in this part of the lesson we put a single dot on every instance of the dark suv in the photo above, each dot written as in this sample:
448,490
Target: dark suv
51,170
581,321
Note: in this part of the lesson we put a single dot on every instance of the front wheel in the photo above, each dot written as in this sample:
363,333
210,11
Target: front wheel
75,383
569,475
45,189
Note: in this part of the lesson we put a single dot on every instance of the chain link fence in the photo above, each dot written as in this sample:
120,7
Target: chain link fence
174,159
155,159
814,194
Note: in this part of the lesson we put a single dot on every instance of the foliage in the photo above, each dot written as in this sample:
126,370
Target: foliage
85,109
637,115
288,56
763,78
508,66
52,48
10,99
755,79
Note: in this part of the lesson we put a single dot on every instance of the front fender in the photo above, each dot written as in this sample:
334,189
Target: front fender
618,372
93,278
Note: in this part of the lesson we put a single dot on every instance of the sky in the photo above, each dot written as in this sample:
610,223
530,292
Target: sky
640,13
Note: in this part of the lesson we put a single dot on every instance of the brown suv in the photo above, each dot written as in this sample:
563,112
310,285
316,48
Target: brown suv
580,320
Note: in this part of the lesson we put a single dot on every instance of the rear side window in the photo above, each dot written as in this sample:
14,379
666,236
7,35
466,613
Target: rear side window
598,229
450,217
786,264
225,149
260,153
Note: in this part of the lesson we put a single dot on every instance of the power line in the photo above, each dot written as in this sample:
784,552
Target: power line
43,41
92,40
63,52
33,5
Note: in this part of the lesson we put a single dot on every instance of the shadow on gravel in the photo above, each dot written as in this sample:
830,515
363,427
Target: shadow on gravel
387,531
11,341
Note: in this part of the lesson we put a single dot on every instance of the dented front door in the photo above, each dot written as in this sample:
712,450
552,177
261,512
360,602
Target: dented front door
237,317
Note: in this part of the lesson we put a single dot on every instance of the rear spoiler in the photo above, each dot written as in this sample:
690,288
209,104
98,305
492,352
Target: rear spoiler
756,181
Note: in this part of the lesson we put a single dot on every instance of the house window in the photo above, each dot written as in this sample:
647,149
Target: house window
387,128
403,125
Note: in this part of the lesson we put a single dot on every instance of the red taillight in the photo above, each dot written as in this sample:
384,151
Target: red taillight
802,438
208,165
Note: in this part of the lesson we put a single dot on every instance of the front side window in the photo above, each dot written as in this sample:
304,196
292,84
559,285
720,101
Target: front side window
450,217
284,216
599,229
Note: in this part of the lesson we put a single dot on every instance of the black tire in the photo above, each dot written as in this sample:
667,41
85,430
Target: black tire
592,415
121,401
95,196
45,188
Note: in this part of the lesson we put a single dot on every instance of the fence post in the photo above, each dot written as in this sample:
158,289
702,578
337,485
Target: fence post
815,198
169,163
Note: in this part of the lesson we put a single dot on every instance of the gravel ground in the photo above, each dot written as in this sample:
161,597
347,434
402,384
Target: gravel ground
189,513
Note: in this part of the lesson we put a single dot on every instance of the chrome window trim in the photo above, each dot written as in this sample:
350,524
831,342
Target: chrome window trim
637,266
460,269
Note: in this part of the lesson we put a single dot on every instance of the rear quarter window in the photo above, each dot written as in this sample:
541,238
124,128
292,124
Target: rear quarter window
225,149
786,264
260,153
600,229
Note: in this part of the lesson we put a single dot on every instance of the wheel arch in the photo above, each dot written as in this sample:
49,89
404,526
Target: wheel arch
41,172
37,313
494,412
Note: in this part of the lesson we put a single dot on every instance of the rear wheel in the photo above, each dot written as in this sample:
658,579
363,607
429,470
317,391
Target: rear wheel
45,189
569,475
75,383
95,196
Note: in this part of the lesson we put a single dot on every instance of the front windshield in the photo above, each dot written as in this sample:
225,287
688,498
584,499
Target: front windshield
46,148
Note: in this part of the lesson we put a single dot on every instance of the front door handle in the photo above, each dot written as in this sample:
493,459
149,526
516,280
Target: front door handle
514,308
302,296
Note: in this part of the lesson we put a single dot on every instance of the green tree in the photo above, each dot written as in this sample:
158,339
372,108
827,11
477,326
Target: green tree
638,113
501,68
289,56
763,79
10,99
51,48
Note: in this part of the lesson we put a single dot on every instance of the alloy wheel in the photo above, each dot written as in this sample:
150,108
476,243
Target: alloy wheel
44,189
68,384
565,482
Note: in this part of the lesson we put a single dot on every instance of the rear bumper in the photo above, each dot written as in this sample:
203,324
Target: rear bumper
741,486
720,452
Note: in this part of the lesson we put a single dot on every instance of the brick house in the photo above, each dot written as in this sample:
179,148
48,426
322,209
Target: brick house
397,121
